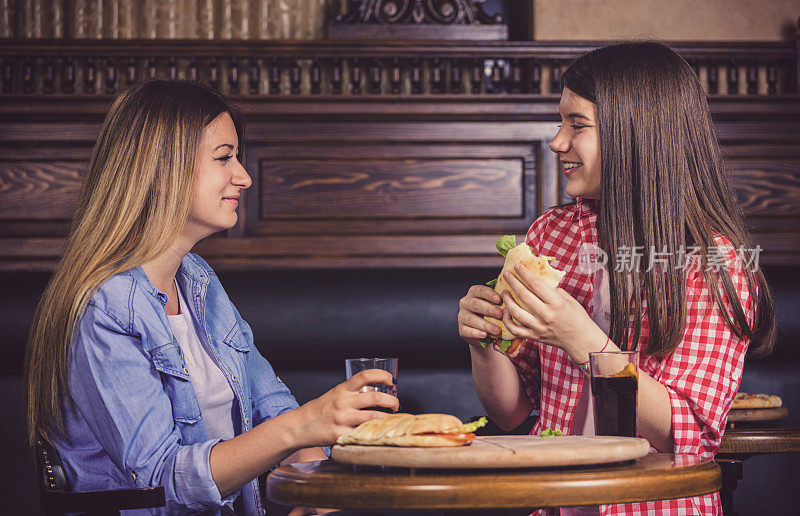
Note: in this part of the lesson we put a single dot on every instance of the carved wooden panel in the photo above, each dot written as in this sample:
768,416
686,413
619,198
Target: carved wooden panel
40,177
381,188
767,187
390,19
763,159
38,190
385,188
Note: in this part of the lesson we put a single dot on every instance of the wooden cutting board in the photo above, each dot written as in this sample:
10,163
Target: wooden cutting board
507,451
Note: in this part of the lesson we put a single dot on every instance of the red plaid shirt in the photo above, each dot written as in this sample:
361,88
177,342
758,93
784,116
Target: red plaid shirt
701,376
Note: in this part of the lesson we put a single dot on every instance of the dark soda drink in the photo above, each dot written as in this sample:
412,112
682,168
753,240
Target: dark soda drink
614,405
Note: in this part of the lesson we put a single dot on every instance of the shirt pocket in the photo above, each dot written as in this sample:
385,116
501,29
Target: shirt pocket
235,339
168,360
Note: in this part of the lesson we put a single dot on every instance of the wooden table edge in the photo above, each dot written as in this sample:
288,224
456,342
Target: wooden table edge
758,440
285,486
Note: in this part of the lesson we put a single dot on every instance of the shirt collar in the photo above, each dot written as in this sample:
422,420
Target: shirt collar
585,208
189,268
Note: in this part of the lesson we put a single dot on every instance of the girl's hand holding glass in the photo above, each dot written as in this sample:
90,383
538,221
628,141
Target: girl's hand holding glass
339,410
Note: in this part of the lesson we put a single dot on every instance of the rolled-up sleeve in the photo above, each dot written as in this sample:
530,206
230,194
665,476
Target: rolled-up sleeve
193,474
122,398
703,374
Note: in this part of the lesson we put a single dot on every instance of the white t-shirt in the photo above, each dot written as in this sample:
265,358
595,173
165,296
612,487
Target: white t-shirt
213,392
583,419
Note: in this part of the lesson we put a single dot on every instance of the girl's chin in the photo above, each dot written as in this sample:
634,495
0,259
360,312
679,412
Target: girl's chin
576,190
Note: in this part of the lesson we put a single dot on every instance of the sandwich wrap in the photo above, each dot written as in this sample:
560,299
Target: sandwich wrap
539,266
424,430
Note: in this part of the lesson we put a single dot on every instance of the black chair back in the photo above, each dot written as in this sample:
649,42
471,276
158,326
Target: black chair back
57,498
51,471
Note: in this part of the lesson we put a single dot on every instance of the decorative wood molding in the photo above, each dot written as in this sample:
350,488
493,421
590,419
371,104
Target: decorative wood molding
361,68
442,12
417,19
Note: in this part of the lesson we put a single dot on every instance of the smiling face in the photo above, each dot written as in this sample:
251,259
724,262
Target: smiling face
219,179
577,144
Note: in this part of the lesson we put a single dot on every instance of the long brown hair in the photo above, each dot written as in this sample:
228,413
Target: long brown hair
134,202
663,186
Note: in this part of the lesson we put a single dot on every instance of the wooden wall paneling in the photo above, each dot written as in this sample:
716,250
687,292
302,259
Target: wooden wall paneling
392,188
765,175
352,252
767,186
378,180
39,184
30,254
38,190
552,179
764,171
384,188
363,188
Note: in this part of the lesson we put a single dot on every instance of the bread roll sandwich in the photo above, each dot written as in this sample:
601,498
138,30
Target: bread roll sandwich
425,430
506,342
744,400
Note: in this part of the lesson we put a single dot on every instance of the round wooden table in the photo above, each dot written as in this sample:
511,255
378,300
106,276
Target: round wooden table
746,439
330,484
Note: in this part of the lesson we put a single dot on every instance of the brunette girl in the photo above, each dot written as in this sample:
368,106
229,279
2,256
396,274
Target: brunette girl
642,159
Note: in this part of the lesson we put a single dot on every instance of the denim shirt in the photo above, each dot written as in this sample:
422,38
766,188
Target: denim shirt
135,420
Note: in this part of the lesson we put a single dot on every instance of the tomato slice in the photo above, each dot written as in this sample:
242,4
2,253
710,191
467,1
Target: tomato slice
460,438
515,344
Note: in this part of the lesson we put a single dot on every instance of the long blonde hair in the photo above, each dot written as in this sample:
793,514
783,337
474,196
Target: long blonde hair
133,204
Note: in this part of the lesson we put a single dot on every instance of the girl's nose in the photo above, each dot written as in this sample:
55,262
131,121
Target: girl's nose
242,178
560,143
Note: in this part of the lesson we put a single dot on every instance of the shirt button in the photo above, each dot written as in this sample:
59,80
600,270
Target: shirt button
133,474
185,370
233,377
246,421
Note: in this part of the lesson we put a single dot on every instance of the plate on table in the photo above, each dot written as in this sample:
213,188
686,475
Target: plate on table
500,451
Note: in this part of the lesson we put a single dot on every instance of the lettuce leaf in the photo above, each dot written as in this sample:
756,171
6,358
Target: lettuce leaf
492,282
487,341
468,428
547,432
550,259
506,243
504,345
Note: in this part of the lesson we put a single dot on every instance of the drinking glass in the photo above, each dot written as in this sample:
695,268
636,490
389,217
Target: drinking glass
356,365
615,383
